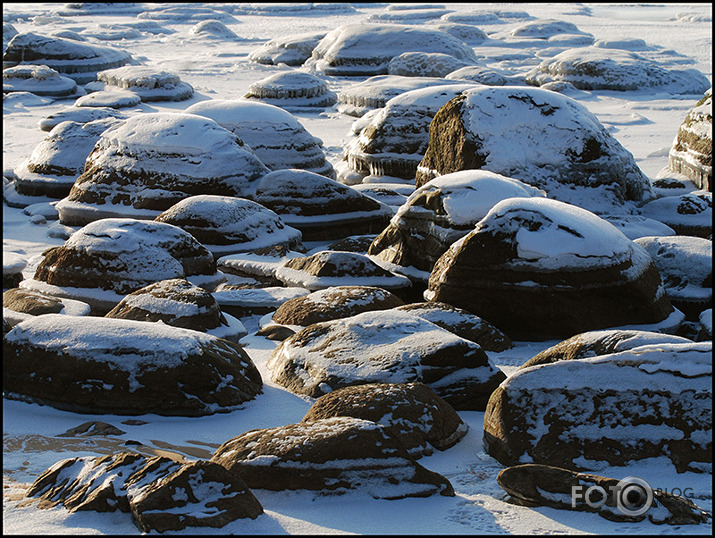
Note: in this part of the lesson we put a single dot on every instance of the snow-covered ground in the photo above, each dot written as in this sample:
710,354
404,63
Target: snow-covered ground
643,121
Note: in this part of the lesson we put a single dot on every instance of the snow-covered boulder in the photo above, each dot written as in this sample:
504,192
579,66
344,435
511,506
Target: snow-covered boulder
648,402
438,213
397,137
539,137
79,115
109,258
321,208
635,226
293,49
179,303
350,49
71,59
277,138
412,412
594,68
462,323
20,304
478,74
37,79
258,266
685,264
228,224
110,98
692,151
385,346
241,301
125,367
213,29
424,64
149,83
334,268
333,303
409,15
539,268
184,13
332,455
151,161
162,494
293,90
687,214
471,35
12,267
544,29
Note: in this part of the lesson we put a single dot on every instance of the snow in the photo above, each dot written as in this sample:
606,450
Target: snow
644,121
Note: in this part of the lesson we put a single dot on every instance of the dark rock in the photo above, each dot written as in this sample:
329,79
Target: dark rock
687,214
692,151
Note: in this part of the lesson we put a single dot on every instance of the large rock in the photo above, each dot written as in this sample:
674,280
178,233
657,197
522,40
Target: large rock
648,402
109,258
38,79
330,455
385,346
411,411
438,213
321,208
688,214
19,305
161,494
119,366
277,138
350,49
293,90
541,269
692,151
293,49
228,224
545,485
151,161
539,137
149,83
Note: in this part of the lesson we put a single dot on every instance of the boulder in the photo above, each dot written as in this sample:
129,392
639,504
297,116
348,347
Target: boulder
687,214
111,98
540,137
277,138
685,265
213,29
332,455
179,303
228,224
292,50
243,301
149,83
350,49
333,303
544,29
540,269
79,115
692,151
20,304
109,258
257,267
650,401
461,323
127,367
544,485
151,161
412,412
424,64
439,213
293,90
38,79
161,494
385,346
12,267
320,207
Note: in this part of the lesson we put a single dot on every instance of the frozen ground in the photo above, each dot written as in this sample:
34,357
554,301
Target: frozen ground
645,122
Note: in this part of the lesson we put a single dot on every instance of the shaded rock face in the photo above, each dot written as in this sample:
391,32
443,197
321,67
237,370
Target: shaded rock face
687,214
147,82
57,162
293,90
142,167
443,210
595,68
539,137
412,412
161,494
37,79
541,269
176,302
545,485
596,343
228,224
321,208
330,455
650,401
118,256
350,49
385,346
461,323
685,266
127,367
276,137
333,303
77,61
692,151
397,137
